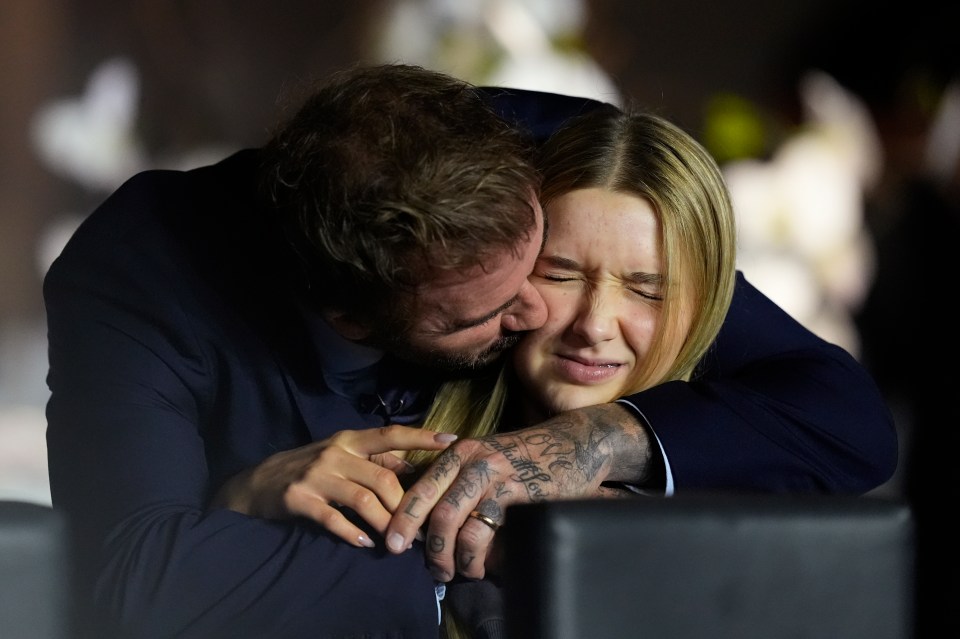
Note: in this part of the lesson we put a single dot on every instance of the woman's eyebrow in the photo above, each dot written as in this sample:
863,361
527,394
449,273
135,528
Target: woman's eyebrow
642,277
560,262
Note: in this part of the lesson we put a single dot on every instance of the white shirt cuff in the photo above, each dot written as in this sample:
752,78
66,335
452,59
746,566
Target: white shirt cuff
668,491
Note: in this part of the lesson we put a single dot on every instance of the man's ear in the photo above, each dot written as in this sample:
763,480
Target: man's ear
347,325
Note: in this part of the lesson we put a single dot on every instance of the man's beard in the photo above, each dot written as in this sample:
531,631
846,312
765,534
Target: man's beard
447,362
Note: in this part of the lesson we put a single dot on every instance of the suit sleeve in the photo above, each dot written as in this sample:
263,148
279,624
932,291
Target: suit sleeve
773,408
128,466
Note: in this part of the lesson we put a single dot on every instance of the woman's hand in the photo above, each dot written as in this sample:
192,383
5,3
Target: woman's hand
357,469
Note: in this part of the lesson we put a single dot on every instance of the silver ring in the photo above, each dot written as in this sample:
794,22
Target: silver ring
476,514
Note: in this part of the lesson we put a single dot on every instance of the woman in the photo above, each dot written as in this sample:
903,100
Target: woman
637,272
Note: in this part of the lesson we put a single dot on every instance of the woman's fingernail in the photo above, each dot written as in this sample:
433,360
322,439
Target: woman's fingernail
419,536
444,438
365,541
395,542
408,467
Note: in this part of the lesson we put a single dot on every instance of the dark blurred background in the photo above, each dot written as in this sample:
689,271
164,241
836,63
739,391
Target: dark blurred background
846,181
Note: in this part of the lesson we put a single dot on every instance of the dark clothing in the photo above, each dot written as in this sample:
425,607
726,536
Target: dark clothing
178,358
176,361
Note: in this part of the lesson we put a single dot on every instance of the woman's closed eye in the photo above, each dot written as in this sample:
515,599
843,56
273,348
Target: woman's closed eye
647,285
654,296
646,292
560,277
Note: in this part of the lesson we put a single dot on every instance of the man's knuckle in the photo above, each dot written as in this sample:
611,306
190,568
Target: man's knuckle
427,489
444,515
469,538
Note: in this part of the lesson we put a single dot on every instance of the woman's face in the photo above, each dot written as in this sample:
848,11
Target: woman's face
600,276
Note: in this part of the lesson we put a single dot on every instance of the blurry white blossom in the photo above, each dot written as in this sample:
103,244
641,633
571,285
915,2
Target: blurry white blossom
802,235
508,43
90,139
942,152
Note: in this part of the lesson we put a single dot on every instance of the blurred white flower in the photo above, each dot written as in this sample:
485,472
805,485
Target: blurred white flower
91,139
507,43
842,118
942,152
804,208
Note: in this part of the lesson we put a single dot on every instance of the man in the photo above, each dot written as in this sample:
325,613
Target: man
227,337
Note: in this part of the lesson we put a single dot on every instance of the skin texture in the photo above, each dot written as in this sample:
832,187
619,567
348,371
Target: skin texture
600,276
565,457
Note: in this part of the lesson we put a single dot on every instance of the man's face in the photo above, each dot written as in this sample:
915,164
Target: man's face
465,319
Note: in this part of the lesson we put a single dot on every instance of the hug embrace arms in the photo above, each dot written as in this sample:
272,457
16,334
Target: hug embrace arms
181,358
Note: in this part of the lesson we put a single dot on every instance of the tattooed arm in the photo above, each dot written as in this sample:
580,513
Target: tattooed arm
565,457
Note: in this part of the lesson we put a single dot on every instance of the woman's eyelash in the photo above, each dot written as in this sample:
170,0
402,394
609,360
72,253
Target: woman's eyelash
554,277
650,296
654,297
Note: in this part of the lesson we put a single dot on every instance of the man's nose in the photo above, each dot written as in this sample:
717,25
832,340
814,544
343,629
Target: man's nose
529,313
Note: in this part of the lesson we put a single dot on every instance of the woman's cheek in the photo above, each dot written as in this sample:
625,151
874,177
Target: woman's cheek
560,304
638,331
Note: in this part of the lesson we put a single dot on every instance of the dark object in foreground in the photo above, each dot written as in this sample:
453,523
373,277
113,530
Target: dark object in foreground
720,566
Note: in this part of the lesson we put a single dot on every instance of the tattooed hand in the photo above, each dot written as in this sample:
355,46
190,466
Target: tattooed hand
565,457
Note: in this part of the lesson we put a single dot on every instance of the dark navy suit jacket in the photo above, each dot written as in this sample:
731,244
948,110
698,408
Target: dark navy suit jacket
177,359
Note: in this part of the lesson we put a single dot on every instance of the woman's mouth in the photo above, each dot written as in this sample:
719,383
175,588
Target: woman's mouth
582,370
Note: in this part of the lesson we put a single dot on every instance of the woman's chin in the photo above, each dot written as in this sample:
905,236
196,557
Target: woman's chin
570,397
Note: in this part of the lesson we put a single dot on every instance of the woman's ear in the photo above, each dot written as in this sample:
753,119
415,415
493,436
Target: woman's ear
347,325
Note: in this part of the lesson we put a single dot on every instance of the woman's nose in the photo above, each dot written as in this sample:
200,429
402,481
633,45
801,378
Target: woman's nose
596,319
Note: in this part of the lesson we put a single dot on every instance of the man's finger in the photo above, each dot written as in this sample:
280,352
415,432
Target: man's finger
419,500
451,516
475,539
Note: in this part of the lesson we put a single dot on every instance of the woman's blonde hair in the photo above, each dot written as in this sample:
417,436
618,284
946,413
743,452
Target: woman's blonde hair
643,155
